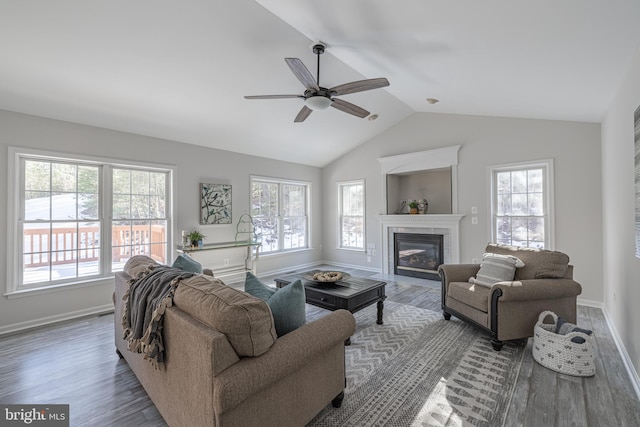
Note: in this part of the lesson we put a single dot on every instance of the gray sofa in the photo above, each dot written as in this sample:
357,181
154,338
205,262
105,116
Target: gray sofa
508,310
246,376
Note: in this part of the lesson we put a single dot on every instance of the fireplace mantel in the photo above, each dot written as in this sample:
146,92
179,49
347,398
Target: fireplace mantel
446,224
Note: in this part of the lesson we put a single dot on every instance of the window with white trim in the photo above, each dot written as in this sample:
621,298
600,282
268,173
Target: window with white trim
351,214
280,214
81,219
522,204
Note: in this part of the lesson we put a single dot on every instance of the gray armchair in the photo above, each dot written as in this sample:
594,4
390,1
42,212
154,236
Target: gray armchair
509,310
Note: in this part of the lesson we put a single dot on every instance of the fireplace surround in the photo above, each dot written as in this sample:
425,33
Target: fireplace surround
446,225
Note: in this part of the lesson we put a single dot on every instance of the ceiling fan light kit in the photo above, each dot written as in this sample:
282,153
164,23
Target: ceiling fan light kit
317,97
318,102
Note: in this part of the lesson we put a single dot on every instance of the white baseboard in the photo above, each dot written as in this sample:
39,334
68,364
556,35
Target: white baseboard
357,267
43,321
628,364
590,303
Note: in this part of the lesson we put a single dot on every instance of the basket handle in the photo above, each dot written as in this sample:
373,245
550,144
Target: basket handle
587,338
544,315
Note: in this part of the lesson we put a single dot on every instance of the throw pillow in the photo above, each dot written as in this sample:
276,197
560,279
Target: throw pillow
496,268
185,263
287,304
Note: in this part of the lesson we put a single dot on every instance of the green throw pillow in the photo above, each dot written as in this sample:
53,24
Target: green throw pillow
185,263
287,304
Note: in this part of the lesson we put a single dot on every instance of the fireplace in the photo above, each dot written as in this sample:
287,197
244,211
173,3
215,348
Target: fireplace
418,255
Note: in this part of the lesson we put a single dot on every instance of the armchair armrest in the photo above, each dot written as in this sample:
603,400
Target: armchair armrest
537,289
457,272
289,353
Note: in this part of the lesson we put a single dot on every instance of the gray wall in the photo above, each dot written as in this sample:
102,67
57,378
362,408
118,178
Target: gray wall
621,267
485,141
194,164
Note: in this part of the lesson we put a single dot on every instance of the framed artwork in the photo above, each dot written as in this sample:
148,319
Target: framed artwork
215,204
636,131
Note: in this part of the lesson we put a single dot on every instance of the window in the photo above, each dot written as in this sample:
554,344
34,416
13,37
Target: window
522,204
81,219
351,213
280,214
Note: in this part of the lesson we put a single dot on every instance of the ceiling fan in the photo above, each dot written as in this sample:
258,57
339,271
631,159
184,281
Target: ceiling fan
317,97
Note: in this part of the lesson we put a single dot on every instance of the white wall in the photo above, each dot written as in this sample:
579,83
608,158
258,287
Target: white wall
621,267
194,164
575,148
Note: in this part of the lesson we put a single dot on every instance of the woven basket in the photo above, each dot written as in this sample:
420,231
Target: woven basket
558,352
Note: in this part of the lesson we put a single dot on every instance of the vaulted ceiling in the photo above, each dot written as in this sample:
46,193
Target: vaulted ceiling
180,70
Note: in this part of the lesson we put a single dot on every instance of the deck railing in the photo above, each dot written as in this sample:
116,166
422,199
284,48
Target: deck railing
70,245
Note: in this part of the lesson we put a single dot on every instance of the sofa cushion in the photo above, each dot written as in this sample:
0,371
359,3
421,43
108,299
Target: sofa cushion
539,263
185,263
496,268
244,319
470,294
287,304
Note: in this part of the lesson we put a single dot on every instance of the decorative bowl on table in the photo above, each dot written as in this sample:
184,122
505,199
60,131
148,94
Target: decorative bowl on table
320,276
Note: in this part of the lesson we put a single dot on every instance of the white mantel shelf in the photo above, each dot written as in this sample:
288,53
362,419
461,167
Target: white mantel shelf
422,219
446,224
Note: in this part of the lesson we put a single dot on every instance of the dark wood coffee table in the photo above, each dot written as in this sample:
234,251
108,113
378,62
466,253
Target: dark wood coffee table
353,294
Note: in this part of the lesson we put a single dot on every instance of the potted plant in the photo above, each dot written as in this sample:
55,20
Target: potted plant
195,237
413,207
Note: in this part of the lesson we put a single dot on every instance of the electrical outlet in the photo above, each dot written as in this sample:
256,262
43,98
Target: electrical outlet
474,209
368,259
474,220
226,261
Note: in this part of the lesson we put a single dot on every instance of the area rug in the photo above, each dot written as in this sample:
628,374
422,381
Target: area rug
421,370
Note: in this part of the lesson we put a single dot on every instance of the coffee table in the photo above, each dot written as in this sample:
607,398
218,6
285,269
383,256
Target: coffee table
353,293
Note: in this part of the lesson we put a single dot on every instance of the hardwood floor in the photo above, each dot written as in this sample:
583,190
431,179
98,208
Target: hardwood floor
75,363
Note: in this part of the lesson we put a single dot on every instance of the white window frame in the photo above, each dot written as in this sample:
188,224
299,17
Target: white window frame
15,198
280,217
340,186
548,199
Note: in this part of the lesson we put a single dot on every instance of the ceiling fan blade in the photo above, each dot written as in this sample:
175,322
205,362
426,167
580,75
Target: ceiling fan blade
303,114
350,108
272,96
359,86
302,73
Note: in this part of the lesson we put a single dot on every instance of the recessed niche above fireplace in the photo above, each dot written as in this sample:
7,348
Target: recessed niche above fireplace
430,175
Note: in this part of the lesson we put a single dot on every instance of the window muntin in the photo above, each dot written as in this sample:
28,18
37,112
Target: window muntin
59,206
351,214
280,214
521,206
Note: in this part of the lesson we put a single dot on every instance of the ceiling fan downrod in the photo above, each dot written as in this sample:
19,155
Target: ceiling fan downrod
318,49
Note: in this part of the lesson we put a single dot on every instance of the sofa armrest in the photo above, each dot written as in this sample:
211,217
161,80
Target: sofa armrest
537,289
457,272
290,353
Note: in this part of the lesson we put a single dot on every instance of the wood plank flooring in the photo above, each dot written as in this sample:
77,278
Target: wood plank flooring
75,363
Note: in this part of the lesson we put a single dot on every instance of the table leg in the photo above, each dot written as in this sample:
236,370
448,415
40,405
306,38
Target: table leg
380,309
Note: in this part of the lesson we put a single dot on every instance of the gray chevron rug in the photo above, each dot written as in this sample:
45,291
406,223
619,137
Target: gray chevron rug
420,370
